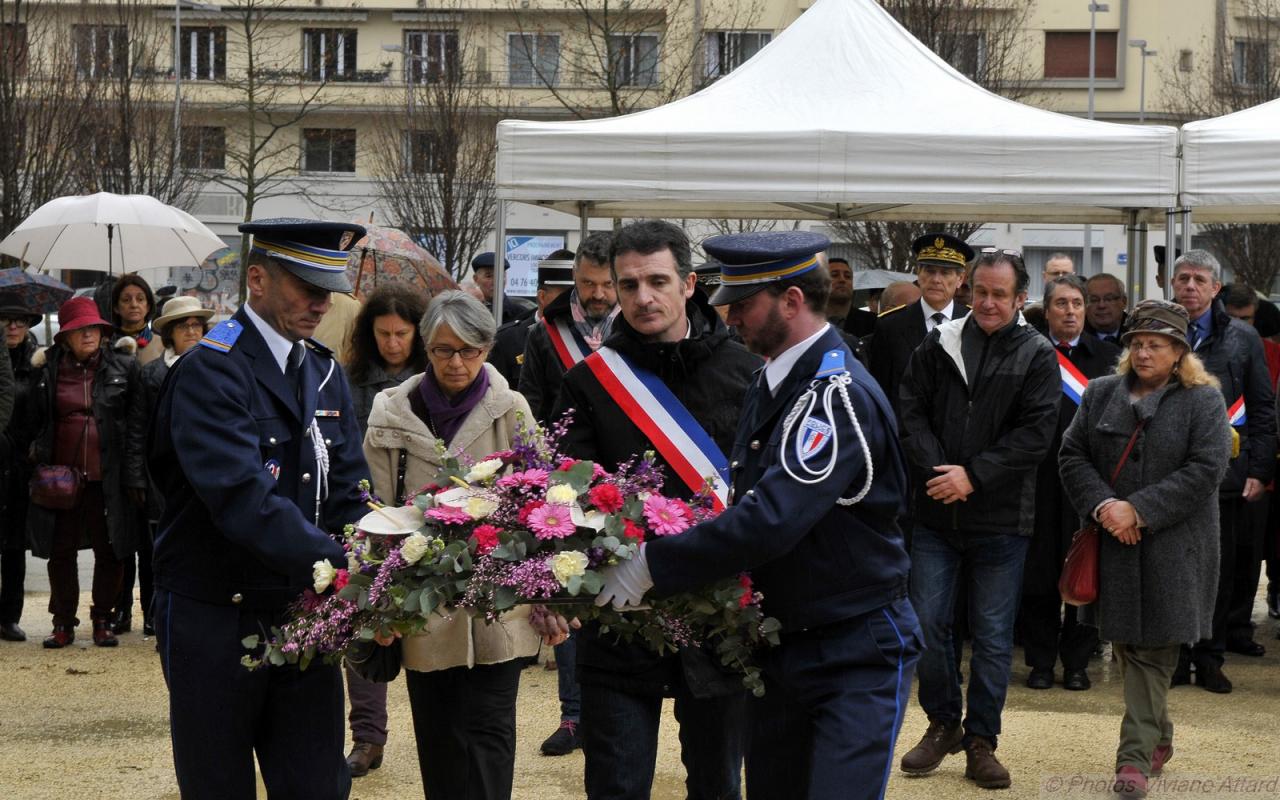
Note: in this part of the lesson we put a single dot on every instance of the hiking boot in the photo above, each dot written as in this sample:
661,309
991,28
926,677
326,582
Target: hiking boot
981,765
1130,782
564,741
939,741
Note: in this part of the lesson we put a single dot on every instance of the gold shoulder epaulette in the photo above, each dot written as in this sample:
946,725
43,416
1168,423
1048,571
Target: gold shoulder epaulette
895,308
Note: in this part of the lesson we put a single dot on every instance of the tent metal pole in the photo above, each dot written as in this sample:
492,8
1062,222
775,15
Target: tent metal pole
1144,263
1131,244
1170,249
1186,229
583,230
500,260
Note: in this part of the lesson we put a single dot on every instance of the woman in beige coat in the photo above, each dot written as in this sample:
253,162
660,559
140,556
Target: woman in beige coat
462,673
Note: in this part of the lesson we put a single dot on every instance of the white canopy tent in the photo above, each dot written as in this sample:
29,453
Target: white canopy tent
844,115
1231,166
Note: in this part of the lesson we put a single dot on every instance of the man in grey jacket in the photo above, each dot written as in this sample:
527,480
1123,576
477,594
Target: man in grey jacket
979,404
1232,352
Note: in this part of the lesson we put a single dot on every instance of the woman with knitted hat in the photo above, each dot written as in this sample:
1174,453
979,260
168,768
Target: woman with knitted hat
79,414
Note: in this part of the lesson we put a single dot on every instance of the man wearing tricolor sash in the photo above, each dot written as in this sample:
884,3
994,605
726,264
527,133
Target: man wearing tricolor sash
1232,352
668,379
573,326
1049,631
818,481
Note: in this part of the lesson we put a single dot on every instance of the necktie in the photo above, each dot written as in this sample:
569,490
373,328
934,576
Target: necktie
1064,348
1197,334
938,318
293,369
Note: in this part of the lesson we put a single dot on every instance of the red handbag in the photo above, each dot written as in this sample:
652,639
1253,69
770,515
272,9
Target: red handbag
56,487
1078,583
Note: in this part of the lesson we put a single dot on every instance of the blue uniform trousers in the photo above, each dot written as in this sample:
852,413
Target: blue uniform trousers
833,706
220,713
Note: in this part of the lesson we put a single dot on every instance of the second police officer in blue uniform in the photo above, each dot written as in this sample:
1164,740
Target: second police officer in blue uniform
257,453
818,481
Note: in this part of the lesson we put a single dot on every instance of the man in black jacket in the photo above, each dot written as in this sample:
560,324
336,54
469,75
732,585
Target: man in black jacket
1047,630
685,344
1105,301
940,262
16,319
555,277
573,325
978,405
1232,352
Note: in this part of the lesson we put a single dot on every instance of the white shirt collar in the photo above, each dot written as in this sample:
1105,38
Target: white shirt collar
929,311
777,369
279,346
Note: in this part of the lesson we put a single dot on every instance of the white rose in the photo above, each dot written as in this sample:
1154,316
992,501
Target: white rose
568,564
414,548
480,507
322,573
353,561
483,471
561,494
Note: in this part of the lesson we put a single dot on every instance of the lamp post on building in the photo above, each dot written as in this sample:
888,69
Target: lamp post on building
1141,44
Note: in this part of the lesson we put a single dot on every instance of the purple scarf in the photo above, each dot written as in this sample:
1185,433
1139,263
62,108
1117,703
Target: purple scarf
445,415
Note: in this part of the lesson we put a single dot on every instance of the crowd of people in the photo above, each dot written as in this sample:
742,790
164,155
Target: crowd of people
209,464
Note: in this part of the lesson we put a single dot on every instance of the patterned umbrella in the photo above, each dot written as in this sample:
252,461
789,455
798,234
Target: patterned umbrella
387,254
40,293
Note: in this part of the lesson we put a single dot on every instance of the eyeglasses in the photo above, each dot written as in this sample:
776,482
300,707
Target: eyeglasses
447,353
990,251
1150,347
194,327
7,321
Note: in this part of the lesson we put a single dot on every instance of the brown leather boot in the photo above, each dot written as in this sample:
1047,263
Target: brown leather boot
939,741
981,765
364,756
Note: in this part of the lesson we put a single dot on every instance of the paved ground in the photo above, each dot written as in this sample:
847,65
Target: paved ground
91,723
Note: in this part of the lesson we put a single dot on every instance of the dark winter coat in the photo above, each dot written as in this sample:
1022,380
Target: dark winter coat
15,471
1056,519
897,334
542,371
1160,591
989,404
375,380
507,354
151,380
708,373
1233,354
116,387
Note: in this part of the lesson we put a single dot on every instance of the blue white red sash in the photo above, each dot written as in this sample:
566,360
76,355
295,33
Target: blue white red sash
568,343
1235,414
689,450
1073,380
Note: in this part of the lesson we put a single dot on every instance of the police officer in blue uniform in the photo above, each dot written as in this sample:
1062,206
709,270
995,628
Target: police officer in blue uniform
256,450
818,481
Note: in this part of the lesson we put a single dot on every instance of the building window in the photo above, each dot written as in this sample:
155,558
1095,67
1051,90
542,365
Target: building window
204,54
533,59
204,147
329,150
421,152
1066,54
13,46
430,56
1249,62
100,51
329,54
967,52
635,59
728,50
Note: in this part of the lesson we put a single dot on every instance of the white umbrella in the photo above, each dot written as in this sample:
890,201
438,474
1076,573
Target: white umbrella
109,232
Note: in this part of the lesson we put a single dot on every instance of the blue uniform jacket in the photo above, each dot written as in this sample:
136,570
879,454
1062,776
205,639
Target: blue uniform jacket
231,451
815,561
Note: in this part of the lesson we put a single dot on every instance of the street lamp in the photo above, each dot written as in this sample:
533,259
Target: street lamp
1141,44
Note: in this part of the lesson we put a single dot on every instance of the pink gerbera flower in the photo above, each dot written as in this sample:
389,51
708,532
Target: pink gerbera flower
528,478
666,517
449,515
551,521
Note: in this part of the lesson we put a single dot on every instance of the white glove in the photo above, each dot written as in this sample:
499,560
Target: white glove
625,584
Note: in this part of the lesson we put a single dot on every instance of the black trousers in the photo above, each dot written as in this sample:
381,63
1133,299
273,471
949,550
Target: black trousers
140,571
1247,568
221,714
1049,632
1231,515
464,720
13,577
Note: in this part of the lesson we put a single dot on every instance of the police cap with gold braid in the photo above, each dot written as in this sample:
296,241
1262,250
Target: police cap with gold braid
751,261
941,250
313,250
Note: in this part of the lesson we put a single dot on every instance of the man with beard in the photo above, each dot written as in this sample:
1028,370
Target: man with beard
574,325
840,311
817,484
694,375
940,263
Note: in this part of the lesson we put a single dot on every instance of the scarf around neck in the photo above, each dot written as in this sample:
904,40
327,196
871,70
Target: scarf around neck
594,330
445,414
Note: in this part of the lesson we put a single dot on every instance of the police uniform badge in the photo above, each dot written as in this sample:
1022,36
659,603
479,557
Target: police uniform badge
814,436
273,467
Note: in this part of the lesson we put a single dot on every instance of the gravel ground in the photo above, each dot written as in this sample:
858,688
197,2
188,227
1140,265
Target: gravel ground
87,722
